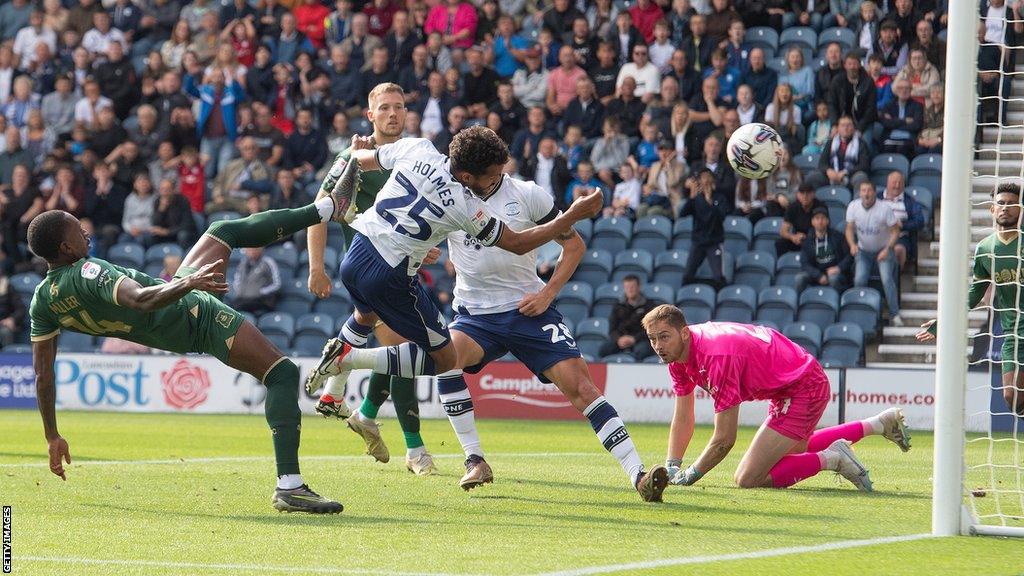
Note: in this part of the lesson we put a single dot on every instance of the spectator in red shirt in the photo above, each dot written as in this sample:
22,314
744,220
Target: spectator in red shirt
192,179
310,17
456,22
645,13
562,81
380,13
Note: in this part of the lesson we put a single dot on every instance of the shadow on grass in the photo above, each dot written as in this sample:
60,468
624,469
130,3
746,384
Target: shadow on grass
271,517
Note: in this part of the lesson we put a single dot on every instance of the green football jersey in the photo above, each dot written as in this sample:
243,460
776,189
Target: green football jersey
1000,263
370,183
82,297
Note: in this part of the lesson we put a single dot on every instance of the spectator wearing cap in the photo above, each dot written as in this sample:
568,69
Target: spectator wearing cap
709,209
891,48
530,84
796,224
824,254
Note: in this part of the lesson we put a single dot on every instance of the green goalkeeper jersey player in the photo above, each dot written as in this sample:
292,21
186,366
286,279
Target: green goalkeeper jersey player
386,112
92,296
997,263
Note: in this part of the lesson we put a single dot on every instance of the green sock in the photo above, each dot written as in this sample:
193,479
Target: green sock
264,228
283,415
407,407
376,394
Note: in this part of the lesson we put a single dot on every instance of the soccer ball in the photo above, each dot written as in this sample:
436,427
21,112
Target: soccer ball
754,150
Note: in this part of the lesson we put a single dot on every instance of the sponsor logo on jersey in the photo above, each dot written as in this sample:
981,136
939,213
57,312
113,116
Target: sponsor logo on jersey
90,270
185,385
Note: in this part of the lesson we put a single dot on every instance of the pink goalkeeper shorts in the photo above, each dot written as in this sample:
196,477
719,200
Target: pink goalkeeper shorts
797,416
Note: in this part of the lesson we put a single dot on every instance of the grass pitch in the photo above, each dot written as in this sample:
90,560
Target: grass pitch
191,495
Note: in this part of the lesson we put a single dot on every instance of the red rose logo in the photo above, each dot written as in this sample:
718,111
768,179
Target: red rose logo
185,385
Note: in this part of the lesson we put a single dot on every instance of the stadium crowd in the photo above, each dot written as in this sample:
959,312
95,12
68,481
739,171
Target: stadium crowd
150,119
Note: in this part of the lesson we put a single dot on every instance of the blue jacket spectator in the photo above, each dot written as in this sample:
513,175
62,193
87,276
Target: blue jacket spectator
908,211
214,95
761,79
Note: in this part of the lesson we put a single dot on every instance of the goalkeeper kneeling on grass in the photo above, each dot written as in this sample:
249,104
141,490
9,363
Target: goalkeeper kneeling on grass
735,363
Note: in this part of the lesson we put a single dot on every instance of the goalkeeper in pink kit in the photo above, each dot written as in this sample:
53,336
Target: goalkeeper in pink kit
736,363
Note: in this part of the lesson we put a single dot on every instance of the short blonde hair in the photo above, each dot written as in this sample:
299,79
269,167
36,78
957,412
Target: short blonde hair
664,313
382,89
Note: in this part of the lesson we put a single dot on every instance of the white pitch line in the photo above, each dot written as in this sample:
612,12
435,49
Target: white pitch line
646,565
328,458
253,568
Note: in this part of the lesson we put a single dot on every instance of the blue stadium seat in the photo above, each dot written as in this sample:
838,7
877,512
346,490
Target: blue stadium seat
926,164
653,359
295,298
777,304
777,63
682,233
924,198
158,252
736,303
863,307
279,323
218,216
585,228
767,324
883,164
331,261
802,35
127,254
25,285
837,217
334,306
806,162
697,302
595,268
806,334
153,269
619,359
766,232
605,298
842,345
755,269
285,255
787,267
762,37
659,293
612,234
17,349
591,334
728,268
570,324
250,317
738,234
834,196
844,36
638,263
574,300
670,267
653,233
819,305
69,341
311,332
929,180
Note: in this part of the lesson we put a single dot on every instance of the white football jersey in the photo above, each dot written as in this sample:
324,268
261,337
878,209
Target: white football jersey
420,204
491,280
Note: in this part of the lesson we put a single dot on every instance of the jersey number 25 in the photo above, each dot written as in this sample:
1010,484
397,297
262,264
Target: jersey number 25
412,196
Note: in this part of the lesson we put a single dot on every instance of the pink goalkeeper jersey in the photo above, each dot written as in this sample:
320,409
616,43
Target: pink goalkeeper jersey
735,363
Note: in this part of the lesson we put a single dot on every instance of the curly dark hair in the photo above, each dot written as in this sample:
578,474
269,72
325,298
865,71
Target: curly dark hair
476,149
46,232
1008,188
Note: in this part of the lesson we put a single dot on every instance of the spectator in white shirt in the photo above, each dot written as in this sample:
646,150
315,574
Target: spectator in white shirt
872,230
98,39
27,38
646,75
88,107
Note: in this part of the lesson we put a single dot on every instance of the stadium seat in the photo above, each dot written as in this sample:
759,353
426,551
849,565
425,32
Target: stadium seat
585,228
225,215
697,302
591,334
25,285
844,36
738,234
69,341
653,233
837,217
798,35
762,37
619,359
842,345
653,359
158,252
834,196
883,164
568,323
311,332
777,304
670,267
728,268
806,334
926,164
776,63
682,233
331,261
736,303
806,162
574,300
766,232
787,268
127,254
595,268
929,180
863,307
819,305
605,298
335,306
153,269
924,198
611,234
659,293
295,298
767,324
286,255
250,317
17,349
755,269
279,323
638,263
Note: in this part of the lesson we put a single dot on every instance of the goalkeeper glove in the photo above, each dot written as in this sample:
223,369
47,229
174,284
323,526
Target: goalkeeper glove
686,477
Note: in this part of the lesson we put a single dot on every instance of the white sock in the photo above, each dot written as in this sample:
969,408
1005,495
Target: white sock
335,386
289,481
874,424
406,360
411,453
459,407
363,418
611,431
325,207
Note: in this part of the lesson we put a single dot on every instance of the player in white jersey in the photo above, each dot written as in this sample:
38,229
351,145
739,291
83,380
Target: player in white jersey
503,306
426,197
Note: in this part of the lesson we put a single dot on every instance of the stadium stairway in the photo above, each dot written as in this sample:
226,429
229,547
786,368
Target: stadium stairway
1001,151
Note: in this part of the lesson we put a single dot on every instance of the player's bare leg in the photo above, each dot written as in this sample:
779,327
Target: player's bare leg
777,461
1013,390
253,353
458,405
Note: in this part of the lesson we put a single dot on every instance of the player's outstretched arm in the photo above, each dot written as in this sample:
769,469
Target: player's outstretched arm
522,242
316,242
979,290
131,294
722,441
680,433
572,253
44,352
